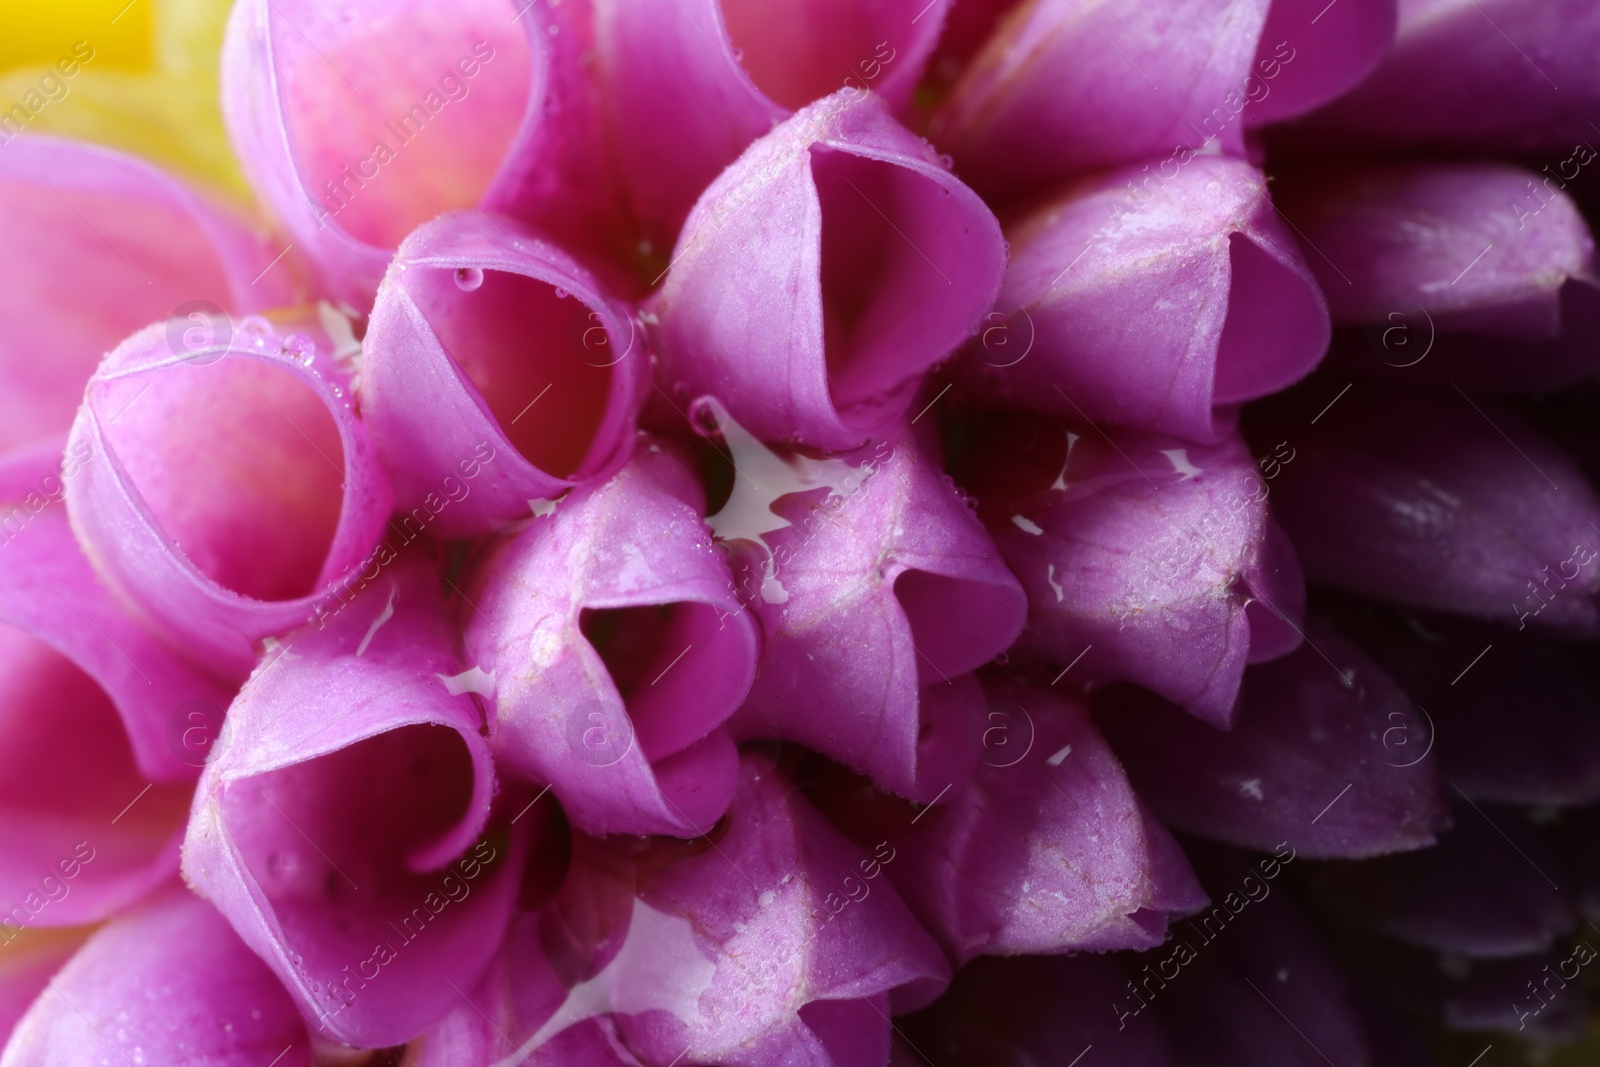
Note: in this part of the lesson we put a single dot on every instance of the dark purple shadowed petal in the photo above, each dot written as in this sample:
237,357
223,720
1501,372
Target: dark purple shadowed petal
167,982
1152,300
495,373
84,219
228,489
822,273
344,826
1145,558
1325,753
618,649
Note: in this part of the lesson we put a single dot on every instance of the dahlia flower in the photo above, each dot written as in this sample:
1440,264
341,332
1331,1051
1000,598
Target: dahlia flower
747,533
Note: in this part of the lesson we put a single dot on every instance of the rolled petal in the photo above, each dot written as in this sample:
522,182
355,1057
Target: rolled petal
28,962
618,649
1484,891
1047,850
878,591
1439,501
356,122
343,826
781,944
1155,302
1034,1010
1526,997
1059,89
1526,730
1325,754
690,83
1480,274
226,489
825,270
1144,558
96,716
1504,76
477,321
82,219
168,982
1279,996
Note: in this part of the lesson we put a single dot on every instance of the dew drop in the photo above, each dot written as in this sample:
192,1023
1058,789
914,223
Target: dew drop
468,278
300,347
561,294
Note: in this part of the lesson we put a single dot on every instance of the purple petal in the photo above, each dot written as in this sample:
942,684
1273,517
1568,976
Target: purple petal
1151,303
1525,997
1216,585
690,83
1280,998
356,121
96,718
168,982
228,488
1035,1010
1046,850
1511,76
343,826
1484,891
744,954
618,649
1325,754
825,270
29,961
1438,501
1057,90
471,423
873,678
83,219
1477,274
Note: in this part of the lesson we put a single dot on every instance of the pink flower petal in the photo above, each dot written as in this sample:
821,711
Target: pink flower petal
1144,559
228,487
826,269
358,121
1514,76
690,83
1326,753
1149,300
496,372
1479,274
29,961
1047,850
168,982
83,219
1310,54
877,598
618,650
344,825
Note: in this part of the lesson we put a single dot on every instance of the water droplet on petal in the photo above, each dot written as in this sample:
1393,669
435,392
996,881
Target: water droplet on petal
468,278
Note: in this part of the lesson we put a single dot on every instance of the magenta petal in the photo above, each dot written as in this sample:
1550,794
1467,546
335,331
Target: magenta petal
1047,849
228,488
343,824
1333,49
477,321
1437,500
1512,76
1477,274
1057,90
618,649
690,83
83,219
91,823
751,954
872,677
1145,559
1326,754
1145,301
324,102
165,983
26,965
817,279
